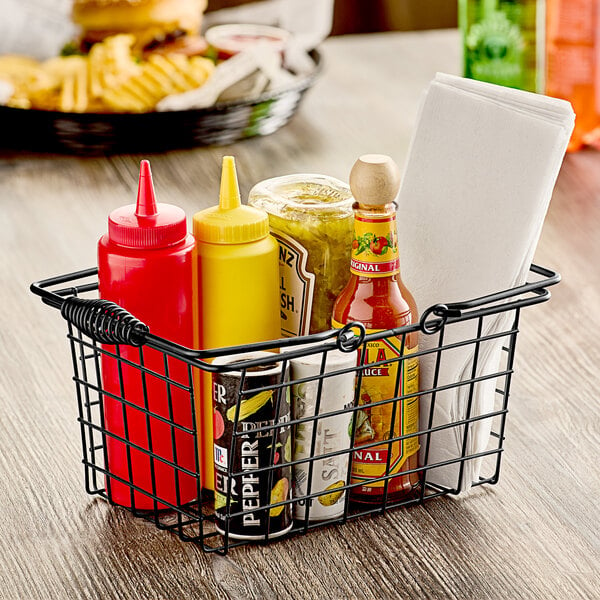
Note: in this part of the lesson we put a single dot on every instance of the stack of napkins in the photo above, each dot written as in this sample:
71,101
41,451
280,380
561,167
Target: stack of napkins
477,184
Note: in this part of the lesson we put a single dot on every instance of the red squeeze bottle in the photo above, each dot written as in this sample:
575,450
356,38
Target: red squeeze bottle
145,266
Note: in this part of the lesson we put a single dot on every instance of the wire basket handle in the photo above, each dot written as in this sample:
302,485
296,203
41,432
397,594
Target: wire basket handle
104,321
436,316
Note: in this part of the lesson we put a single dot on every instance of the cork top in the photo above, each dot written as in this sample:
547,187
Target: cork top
375,180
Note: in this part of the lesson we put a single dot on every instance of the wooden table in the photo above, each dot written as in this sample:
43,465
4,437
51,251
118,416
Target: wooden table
534,535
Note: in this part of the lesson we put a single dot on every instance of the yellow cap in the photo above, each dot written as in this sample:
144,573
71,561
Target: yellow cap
230,222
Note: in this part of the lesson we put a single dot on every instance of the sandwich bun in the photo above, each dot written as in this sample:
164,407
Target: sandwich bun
151,22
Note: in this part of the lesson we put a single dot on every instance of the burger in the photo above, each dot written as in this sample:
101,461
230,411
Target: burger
164,26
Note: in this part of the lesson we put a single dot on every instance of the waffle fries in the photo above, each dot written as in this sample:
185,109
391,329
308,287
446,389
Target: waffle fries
109,79
158,77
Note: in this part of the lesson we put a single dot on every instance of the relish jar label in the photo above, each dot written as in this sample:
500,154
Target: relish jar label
375,247
296,287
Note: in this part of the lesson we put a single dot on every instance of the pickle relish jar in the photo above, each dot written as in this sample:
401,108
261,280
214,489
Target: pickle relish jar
311,217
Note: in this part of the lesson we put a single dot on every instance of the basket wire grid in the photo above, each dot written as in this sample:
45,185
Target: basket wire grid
97,329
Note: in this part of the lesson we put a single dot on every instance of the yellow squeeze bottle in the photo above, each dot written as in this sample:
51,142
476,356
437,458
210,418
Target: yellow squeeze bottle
236,289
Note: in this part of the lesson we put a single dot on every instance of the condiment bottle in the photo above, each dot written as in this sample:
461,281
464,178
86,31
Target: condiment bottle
572,65
503,42
376,297
145,266
311,218
236,287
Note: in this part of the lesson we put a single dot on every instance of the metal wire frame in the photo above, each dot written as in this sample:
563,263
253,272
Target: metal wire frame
195,521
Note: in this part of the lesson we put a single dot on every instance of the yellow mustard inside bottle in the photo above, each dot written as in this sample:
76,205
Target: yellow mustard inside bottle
235,288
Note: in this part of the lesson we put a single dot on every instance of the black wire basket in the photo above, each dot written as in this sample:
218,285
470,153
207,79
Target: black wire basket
101,333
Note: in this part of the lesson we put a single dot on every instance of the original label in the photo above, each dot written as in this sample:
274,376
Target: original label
381,382
375,247
296,287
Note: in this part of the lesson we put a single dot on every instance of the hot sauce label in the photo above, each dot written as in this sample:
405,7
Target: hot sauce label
375,247
385,378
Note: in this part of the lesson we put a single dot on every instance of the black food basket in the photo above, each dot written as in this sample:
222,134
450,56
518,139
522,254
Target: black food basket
110,133
283,463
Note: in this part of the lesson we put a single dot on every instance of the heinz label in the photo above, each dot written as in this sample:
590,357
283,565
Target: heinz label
296,287
375,247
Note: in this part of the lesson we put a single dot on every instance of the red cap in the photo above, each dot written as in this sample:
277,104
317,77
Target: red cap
147,224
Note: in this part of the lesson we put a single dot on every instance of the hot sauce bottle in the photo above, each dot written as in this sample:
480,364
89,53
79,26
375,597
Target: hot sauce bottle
376,297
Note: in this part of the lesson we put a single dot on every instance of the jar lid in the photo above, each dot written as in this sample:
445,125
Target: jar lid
147,224
230,222
303,192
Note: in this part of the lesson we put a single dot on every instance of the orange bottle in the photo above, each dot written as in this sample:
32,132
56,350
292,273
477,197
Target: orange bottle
376,297
572,66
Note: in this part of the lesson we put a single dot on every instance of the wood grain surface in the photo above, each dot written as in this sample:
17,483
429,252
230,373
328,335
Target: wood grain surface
534,535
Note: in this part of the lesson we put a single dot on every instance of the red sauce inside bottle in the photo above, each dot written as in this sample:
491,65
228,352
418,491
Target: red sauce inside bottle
381,302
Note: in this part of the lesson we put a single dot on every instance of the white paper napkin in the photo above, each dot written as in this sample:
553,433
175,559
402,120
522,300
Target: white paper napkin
477,184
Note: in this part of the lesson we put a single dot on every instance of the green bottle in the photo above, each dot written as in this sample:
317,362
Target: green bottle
503,42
